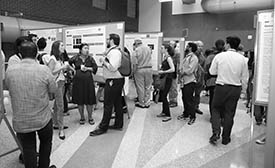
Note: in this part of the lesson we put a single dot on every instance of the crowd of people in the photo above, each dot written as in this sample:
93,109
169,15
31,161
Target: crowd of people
34,77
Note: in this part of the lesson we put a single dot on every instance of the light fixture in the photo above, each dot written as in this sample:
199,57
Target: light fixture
165,0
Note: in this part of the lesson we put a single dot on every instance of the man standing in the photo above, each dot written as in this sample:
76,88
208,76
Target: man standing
232,71
200,75
29,85
142,73
188,82
113,87
173,93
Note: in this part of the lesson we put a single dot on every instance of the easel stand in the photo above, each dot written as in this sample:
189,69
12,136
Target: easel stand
3,116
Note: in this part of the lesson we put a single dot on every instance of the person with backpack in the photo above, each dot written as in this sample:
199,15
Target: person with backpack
143,75
188,83
41,45
113,86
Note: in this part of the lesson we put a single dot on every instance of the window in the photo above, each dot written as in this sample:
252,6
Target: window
101,4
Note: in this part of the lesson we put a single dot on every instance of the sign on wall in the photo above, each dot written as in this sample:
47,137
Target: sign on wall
263,53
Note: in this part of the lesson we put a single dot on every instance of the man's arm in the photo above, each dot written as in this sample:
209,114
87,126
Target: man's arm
192,65
114,61
213,70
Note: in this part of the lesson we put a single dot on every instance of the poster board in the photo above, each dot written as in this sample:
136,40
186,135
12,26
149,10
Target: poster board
1,83
51,35
263,56
95,35
182,44
153,40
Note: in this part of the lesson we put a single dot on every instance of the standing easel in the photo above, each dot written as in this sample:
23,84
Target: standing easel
2,108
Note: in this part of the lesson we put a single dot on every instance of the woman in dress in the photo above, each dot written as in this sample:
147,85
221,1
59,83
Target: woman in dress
83,91
167,71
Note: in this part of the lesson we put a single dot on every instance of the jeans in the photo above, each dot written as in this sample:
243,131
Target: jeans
164,93
59,106
28,142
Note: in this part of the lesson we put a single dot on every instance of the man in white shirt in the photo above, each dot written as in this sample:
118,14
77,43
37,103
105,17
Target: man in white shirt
231,70
113,87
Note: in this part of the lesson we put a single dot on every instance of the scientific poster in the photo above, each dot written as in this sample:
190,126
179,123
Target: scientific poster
94,36
263,59
152,40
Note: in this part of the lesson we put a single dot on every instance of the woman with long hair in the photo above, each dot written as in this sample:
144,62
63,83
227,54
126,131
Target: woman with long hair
167,71
56,64
83,91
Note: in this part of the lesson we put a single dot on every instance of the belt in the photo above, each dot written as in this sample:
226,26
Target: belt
229,85
144,67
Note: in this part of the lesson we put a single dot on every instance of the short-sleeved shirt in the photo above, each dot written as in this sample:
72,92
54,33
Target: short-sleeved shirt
29,84
58,64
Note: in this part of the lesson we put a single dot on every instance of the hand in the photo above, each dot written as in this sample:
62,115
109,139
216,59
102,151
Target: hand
65,66
84,69
161,72
101,59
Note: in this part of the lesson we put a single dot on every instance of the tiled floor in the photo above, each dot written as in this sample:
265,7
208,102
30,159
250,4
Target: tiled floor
146,142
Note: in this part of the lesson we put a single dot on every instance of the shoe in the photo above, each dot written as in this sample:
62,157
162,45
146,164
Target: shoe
161,115
115,127
173,104
182,117
226,141
166,119
191,121
52,166
213,139
199,111
97,132
147,106
82,121
56,127
91,121
62,137
260,141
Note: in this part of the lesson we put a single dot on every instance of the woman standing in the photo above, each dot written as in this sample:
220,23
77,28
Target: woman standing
57,66
83,83
167,71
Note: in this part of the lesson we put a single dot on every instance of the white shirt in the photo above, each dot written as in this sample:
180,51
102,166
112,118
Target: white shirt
231,68
114,57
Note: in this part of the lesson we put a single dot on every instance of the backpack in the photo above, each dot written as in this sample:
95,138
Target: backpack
39,58
199,73
125,68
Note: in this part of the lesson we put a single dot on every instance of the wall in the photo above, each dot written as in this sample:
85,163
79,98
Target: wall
70,12
149,16
209,27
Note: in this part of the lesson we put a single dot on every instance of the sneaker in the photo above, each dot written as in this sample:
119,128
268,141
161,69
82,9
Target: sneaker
173,104
182,117
52,166
191,121
260,141
213,139
166,119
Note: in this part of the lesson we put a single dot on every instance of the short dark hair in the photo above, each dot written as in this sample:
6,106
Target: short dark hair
115,38
219,44
82,45
18,43
193,46
233,41
28,49
170,49
41,43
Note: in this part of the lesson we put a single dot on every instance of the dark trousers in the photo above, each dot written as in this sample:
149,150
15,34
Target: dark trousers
211,95
188,100
112,98
164,93
28,142
65,100
197,97
224,104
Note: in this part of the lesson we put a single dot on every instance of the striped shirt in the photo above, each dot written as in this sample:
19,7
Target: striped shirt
29,84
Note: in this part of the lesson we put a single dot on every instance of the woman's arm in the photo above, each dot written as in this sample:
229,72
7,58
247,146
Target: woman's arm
51,65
